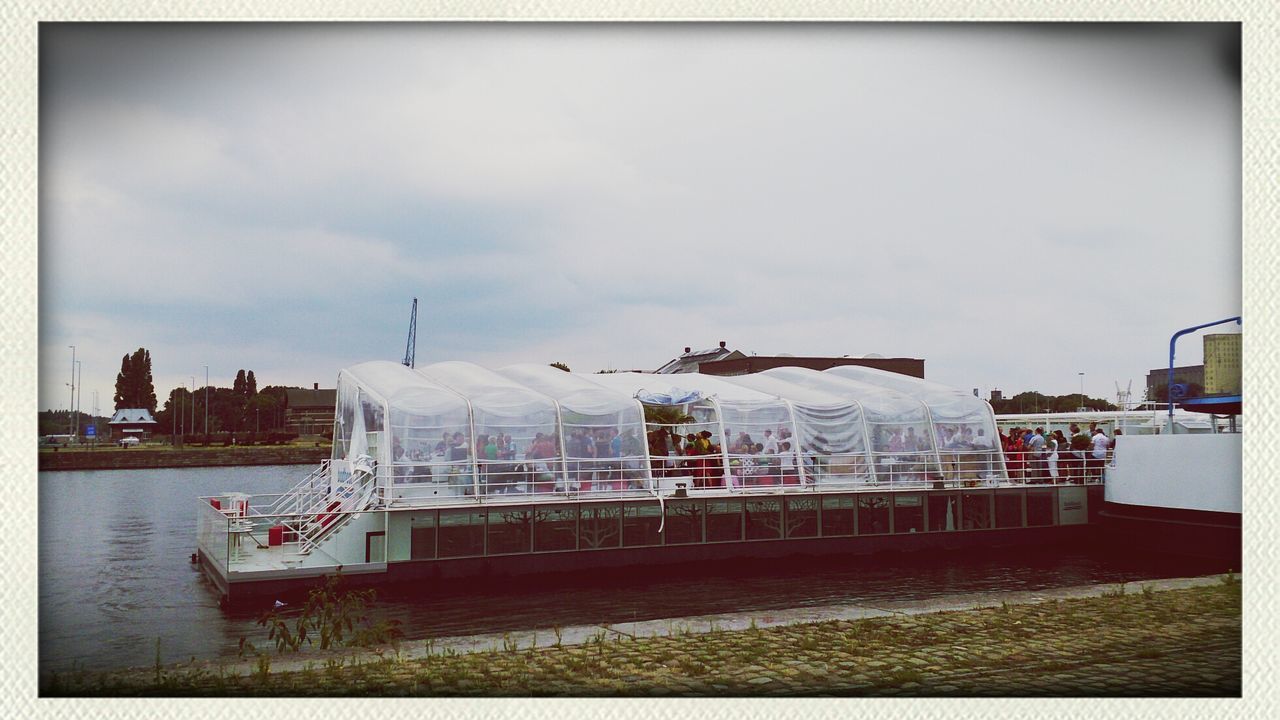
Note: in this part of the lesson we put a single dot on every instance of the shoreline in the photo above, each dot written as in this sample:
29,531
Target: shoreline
113,458
1047,642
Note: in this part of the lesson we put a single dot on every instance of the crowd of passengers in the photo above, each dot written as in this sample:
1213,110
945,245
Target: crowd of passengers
601,456
769,462
1035,457
608,459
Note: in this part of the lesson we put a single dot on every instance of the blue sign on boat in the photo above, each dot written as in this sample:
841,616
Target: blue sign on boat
90,430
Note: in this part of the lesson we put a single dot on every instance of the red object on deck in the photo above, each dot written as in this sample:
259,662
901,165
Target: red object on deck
214,502
275,535
327,516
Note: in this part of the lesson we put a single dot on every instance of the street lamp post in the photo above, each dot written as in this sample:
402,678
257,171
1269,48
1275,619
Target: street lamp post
206,401
193,403
77,410
1081,390
72,402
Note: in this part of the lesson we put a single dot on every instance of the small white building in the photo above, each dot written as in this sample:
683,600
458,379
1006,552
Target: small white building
132,422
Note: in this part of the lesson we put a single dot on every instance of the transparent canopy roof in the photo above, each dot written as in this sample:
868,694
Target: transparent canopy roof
946,404
491,393
573,392
724,391
442,423
880,404
400,388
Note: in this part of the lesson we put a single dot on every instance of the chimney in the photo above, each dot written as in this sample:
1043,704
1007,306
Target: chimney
721,344
687,349
315,386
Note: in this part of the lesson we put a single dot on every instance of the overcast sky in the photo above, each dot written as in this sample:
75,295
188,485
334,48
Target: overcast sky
1015,204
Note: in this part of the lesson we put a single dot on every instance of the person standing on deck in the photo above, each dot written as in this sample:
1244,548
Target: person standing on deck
1099,455
1079,448
1057,446
789,476
1036,447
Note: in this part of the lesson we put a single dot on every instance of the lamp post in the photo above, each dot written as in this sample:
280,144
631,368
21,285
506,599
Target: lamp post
76,412
72,402
206,401
193,403
1081,390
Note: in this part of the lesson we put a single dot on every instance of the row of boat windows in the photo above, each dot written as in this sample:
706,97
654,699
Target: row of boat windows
504,531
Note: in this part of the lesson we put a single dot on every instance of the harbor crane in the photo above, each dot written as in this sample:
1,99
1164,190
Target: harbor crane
412,345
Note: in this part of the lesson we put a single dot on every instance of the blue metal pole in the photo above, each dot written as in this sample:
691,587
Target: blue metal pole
1174,341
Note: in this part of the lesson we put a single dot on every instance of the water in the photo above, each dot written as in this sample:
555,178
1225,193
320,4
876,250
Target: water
115,575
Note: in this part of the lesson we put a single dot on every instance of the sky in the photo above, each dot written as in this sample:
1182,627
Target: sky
1015,204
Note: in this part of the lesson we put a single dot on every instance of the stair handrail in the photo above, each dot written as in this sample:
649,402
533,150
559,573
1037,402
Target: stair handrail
306,487
358,497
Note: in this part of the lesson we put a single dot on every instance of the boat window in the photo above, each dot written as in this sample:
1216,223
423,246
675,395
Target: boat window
600,526
944,512
684,522
1009,509
873,514
422,536
1040,504
461,533
837,515
510,531
802,517
640,525
975,510
555,528
908,513
724,520
764,519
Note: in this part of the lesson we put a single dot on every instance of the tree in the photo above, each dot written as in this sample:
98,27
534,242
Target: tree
180,399
134,387
250,384
238,387
560,366
1035,402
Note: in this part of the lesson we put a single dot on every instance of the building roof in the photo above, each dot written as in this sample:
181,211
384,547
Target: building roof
688,361
131,416
301,398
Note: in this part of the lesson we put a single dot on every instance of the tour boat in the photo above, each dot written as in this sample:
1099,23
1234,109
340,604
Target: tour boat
453,471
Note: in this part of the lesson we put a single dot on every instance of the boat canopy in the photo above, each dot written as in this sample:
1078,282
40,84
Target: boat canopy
830,427
959,418
458,429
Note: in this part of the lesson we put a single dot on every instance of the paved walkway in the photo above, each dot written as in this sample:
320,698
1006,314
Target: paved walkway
1169,638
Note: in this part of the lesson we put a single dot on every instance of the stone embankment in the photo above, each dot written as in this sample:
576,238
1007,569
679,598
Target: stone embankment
1164,638
113,458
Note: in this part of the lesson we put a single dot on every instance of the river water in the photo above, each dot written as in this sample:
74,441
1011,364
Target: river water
115,577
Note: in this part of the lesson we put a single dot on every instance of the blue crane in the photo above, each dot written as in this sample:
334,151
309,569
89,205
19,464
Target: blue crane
412,344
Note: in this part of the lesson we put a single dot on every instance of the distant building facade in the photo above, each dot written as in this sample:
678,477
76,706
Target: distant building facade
1188,375
132,422
722,361
1222,364
309,412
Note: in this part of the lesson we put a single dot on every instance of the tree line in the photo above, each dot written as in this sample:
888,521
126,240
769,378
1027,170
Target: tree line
1035,402
239,408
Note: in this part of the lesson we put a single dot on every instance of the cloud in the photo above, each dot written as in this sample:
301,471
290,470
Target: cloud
1005,202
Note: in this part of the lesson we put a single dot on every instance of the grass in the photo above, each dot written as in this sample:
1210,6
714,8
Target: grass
1016,642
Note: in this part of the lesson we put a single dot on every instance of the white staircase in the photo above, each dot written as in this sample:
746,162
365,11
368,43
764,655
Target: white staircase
321,507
